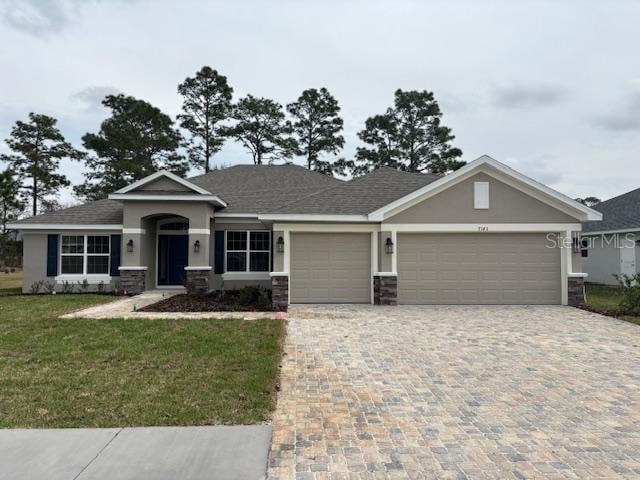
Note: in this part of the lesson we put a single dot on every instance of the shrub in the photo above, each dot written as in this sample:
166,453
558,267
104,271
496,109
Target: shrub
630,285
67,287
83,286
49,287
36,287
248,295
100,287
264,299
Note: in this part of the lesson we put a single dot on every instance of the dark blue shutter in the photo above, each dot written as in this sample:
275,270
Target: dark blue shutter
116,242
218,248
52,255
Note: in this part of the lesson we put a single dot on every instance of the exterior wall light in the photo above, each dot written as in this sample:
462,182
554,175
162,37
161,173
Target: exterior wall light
388,246
280,245
196,246
130,245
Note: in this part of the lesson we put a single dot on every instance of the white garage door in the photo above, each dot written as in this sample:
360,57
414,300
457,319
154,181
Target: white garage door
489,268
330,268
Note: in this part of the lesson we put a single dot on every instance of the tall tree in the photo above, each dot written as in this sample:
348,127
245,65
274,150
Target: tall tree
136,141
11,204
38,146
317,126
206,103
409,136
588,201
261,127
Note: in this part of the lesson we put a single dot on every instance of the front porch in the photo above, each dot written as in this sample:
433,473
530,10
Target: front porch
166,246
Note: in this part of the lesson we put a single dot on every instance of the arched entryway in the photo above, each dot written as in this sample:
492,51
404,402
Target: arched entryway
172,247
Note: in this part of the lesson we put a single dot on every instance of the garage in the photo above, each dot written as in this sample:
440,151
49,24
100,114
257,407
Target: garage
490,268
330,268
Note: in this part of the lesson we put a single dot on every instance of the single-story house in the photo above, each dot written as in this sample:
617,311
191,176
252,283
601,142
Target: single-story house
484,234
612,246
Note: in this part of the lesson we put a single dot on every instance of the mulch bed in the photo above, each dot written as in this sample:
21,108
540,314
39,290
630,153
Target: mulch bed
216,301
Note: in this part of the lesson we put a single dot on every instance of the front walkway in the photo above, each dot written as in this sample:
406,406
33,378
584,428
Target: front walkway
126,307
154,453
457,392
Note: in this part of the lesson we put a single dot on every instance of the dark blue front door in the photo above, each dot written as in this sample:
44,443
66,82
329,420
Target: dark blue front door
173,256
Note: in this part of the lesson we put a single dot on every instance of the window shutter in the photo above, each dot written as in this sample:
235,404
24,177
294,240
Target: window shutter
116,242
218,258
52,255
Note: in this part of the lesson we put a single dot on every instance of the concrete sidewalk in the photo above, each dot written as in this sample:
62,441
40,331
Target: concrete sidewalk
149,453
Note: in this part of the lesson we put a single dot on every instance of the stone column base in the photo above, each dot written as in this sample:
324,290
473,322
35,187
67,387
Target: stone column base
576,291
197,282
385,290
280,292
132,281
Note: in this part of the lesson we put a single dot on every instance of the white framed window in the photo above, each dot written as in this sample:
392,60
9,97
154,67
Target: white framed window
247,251
84,254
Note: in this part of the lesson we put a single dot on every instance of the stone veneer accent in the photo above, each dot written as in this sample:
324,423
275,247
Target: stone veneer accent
197,282
385,290
132,281
576,291
280,292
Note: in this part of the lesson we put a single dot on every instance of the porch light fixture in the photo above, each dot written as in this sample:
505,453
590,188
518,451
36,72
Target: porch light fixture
196,246
280,245
130,246
388,246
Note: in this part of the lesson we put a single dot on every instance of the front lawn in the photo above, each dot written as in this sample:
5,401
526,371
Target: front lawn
116,373
606,299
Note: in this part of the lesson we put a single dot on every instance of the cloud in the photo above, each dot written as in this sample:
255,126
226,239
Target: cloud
42,17
517,96
624,116
91,97
542,168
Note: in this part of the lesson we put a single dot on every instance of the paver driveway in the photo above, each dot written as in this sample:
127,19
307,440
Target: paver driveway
457,392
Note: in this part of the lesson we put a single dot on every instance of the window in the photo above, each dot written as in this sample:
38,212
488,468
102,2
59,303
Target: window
175,226
84,255
584,251
248,251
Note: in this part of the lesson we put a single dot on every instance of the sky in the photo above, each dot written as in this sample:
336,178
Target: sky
551,88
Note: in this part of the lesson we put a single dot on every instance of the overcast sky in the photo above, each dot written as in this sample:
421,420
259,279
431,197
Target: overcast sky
552,88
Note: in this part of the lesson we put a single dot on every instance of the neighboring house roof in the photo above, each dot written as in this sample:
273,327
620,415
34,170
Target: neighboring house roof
359,196
621,213
100,212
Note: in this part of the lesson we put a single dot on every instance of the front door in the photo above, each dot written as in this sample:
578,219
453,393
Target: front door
173,256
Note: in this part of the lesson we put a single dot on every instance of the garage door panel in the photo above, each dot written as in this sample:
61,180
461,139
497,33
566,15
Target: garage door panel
330,268
477,269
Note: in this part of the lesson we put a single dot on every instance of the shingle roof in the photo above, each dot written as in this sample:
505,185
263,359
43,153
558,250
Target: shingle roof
270,189
246,189
618,213
360,196
100,212
259,189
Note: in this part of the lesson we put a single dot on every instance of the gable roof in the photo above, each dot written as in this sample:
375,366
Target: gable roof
533,188
140,184
621,213
359,196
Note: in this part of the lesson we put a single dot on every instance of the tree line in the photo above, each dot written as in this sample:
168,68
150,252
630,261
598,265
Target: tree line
138,139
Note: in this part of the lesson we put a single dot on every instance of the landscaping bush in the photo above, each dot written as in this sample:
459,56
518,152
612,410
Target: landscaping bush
248,295
630,286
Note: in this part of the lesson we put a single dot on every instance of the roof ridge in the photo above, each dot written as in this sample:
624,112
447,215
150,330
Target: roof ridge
619,196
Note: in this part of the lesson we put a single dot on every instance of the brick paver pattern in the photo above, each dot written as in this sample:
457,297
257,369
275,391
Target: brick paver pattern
457,393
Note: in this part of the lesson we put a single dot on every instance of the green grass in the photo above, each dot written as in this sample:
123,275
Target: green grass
607,298
108,373
11,281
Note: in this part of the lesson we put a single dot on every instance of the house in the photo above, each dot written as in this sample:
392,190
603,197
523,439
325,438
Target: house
612,246
484,234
